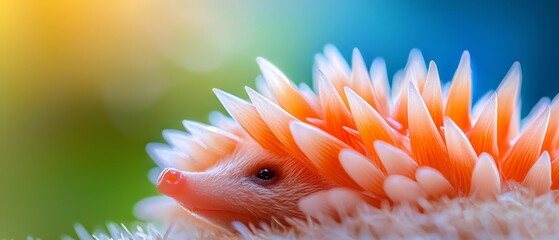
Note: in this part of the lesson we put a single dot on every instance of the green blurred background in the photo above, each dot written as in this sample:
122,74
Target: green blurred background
84,85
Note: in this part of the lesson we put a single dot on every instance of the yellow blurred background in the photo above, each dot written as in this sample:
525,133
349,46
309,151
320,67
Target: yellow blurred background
85,85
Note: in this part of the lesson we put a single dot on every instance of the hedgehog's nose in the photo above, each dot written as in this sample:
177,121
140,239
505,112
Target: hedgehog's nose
171,182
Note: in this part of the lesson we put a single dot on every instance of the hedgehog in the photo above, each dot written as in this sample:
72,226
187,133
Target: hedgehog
351,146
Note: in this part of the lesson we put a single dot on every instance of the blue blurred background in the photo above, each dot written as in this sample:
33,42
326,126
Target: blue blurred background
84,85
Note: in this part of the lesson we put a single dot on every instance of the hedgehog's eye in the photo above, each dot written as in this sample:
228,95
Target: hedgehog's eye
265,174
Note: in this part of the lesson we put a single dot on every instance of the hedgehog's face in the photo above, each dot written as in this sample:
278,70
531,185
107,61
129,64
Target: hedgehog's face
251,185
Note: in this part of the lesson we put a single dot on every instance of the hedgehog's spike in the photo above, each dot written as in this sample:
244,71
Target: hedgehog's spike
415,69
322,150
394,160
555,173
525,152
166,157
400,111
433,182
226,123
539,177
461,156
341,70
486,181
508,94
460,94
483,135
480,104
397,88
433,95
288,97
360,80
362,171
249,119
191,146
336,114
427,145
401,189
263,88
278,121
379,77
552,135
215,139
310,96
369,123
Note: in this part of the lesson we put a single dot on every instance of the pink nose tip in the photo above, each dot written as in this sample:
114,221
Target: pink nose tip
171,182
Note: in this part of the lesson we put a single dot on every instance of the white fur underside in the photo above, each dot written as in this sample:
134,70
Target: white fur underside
513,215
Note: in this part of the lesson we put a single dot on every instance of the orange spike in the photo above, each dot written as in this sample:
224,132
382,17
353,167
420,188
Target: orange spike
538,178
461,156
555,173
433,183
226,123
381,89
369,123
362,171
400,110
339,77
415,69
552,135
427,145
394,160
215,139
525,152
311,97
360,80
287,95
278,121
480,105
433,95
486,181
336,114
193,148
167,157
322,149
507,106
401,189
249,119
483,135
397,87
263,88
460,94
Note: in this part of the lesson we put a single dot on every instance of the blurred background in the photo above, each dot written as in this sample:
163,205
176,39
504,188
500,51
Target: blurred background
85,85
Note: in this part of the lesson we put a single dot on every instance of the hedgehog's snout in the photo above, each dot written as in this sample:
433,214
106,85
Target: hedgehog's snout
171,182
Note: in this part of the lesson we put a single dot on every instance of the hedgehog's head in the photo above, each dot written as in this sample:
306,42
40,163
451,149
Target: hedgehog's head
250,185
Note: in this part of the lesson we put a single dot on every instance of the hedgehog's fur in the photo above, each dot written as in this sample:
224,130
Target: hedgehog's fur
514,214
404,154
